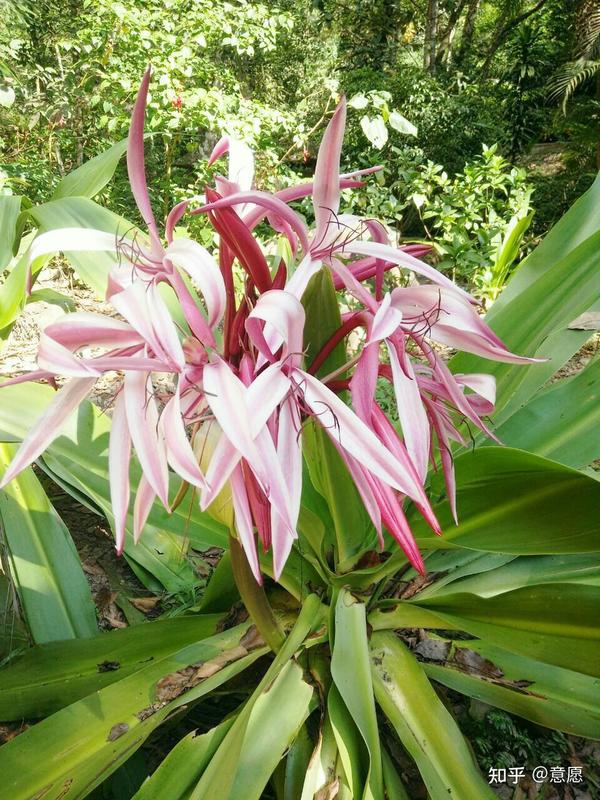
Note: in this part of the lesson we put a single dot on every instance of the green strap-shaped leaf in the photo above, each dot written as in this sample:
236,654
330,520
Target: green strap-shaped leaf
53,297
44,564
49,677
561,423
328,474
524,571
353,529
510,501
220,777
558,623
296,764
14,637
394,788
557,282
274,722
547,695
351,672
93,176
446,567
352,755
424,725
321,769
13,291
10,208
177,773
68,754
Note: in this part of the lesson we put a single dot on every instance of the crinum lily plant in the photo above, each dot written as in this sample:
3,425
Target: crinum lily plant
242,385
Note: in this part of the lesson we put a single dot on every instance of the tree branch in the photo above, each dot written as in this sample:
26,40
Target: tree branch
504,32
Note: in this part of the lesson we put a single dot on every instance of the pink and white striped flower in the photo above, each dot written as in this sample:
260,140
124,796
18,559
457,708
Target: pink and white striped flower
238,373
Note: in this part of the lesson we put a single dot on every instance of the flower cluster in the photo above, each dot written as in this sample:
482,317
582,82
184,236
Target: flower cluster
242,388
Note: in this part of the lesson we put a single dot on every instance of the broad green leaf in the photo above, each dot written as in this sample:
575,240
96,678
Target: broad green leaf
448,566
10,208
14,637
545,694
391,616
394,788
53,297
221,592
296,764
424,725
13,290
326,470
322,765
375,130
562,422
286,701
352,753
509,249
44,565
350,669
354,531
176,774
49,677
510,501
12,296
298,575
74,750
93,176
557,282
220,777
322,320
401,124
558,623
578,224
526,571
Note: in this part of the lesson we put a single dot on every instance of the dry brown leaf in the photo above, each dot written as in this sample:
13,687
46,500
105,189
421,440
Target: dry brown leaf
588,321
144,603
114,617
93,568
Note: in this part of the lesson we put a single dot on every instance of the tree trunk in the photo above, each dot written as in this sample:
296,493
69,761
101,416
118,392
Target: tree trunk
447,37
431,30
469,29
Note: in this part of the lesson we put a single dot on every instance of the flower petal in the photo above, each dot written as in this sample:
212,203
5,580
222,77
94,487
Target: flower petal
203,270
267,201
142,506
284,316
255,404
342,425
136,168
179,450
411,412
304,272
243,521
403,259
49,425
142,420
119,456
326,191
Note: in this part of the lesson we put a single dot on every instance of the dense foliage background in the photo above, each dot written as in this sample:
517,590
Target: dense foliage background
503,95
